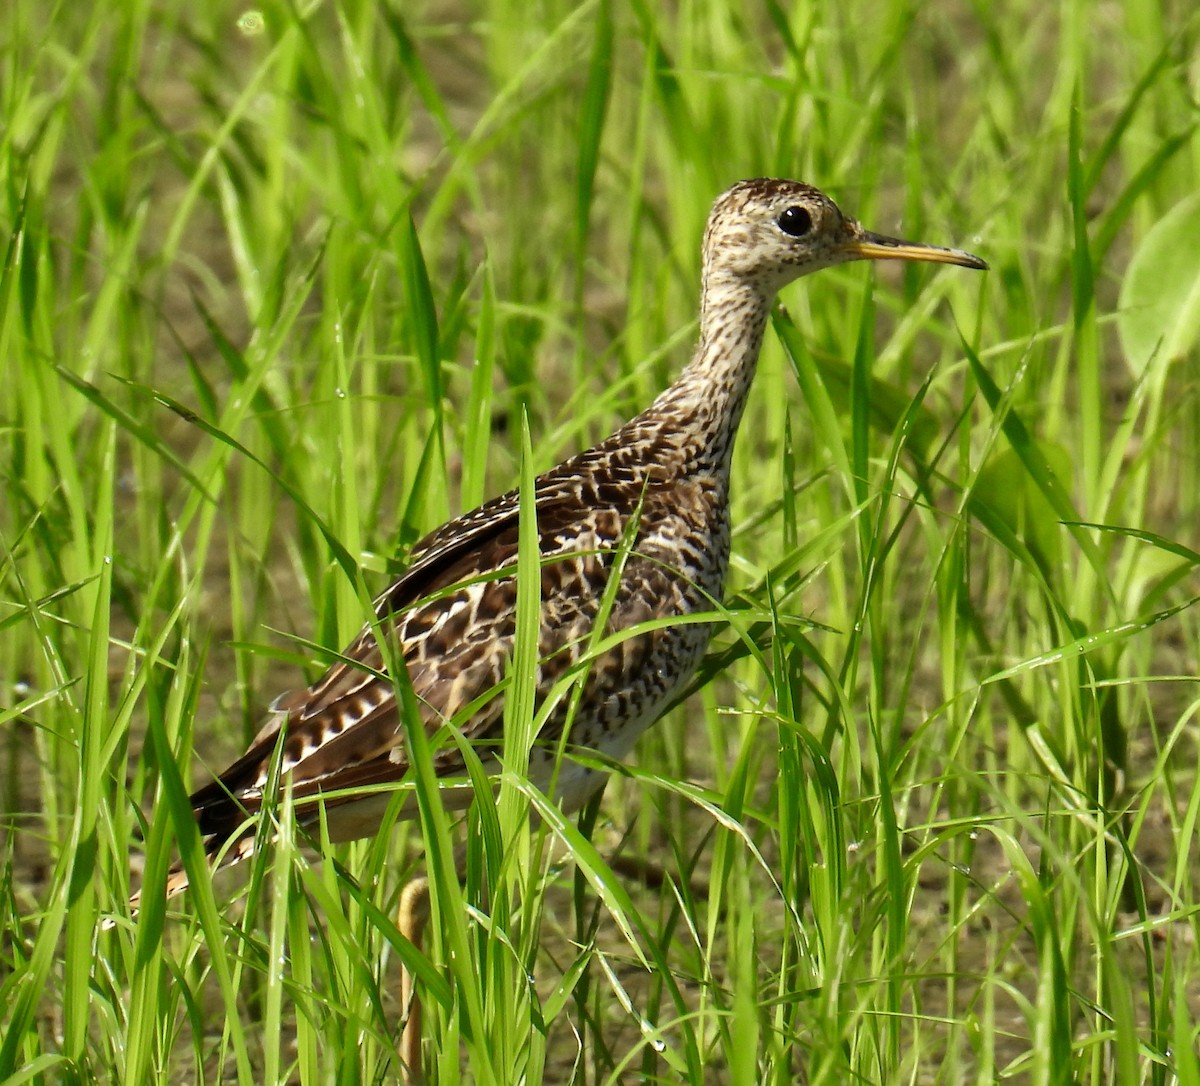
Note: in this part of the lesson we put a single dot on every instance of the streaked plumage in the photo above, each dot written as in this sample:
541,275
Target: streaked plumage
451,616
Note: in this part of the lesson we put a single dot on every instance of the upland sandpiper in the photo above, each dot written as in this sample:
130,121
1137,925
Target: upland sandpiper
658,487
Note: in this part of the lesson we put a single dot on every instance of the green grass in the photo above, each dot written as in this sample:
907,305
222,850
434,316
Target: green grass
283,290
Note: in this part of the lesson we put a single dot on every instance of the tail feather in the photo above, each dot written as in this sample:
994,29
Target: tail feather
177,877
177,882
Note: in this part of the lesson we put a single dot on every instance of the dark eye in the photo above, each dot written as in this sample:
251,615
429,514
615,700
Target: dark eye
795,221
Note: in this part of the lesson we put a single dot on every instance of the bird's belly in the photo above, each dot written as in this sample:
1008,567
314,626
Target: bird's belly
615,710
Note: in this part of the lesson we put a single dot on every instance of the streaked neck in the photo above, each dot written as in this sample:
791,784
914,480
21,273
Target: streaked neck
709,397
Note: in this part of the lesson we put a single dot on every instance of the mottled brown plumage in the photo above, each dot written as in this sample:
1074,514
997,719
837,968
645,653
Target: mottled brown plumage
451,616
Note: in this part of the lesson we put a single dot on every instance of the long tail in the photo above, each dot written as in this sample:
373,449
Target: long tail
177,877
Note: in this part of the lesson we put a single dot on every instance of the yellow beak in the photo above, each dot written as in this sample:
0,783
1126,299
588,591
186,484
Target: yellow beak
864,245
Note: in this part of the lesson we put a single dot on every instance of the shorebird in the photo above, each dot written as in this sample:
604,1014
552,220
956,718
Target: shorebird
655,492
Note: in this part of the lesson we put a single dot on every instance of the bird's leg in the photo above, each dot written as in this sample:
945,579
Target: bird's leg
412,918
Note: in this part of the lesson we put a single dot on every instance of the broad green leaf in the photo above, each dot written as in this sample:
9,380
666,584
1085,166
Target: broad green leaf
1159,315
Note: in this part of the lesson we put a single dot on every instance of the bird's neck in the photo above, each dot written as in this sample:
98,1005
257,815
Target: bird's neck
709,397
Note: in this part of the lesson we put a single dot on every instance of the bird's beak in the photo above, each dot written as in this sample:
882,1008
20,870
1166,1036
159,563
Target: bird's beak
861,244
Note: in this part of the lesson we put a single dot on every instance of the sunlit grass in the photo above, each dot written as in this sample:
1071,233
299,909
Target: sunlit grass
281,292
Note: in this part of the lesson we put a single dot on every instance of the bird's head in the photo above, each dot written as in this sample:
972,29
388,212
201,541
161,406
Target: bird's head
768,232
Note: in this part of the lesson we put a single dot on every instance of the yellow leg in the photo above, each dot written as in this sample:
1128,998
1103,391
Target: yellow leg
412,918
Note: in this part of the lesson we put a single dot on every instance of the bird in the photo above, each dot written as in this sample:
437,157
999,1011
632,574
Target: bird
649,504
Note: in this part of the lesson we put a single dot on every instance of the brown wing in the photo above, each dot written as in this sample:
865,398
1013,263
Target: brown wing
452,615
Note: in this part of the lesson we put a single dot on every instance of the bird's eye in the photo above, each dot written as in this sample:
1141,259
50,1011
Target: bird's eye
795,221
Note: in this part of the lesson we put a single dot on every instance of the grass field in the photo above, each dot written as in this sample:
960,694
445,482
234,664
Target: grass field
284,288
